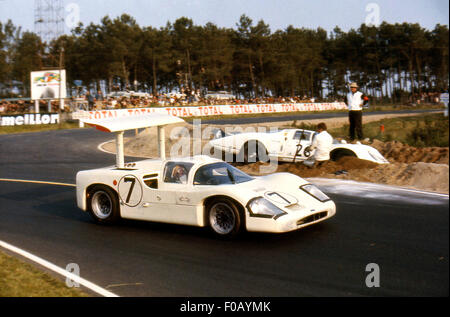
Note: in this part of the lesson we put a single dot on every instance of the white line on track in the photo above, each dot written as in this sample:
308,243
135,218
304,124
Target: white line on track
93,287
101,148
101,145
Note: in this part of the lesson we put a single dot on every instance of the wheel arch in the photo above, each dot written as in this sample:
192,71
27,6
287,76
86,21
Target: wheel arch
254,140
209,199
244,147
115,214
337,153
89,188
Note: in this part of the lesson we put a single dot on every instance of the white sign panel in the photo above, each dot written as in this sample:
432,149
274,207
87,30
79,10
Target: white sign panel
45,84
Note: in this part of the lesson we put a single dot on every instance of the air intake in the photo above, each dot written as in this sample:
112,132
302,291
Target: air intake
312,218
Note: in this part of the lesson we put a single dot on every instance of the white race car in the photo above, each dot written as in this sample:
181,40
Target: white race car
199,191
128,94
290,145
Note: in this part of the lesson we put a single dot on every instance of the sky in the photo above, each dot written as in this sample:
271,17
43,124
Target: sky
278,14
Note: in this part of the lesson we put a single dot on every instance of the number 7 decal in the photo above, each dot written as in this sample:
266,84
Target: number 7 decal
131,180
130,190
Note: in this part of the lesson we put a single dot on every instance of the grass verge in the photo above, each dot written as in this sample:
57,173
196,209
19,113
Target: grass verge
424,130
37,128
20,279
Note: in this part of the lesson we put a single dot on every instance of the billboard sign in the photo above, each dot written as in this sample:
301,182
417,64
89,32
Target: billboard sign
46,84
29,119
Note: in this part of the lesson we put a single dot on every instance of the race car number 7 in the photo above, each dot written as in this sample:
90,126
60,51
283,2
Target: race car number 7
133,181
130,190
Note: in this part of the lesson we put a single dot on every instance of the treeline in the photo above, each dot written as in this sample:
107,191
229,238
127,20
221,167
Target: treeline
389,61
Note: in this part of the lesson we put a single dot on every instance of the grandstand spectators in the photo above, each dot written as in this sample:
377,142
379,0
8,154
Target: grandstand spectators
8,106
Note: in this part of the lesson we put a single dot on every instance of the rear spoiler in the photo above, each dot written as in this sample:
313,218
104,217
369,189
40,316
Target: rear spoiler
120,125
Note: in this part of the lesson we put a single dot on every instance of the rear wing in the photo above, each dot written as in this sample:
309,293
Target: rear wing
120,125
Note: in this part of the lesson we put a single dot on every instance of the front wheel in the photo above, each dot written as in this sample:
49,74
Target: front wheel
224,218
103,205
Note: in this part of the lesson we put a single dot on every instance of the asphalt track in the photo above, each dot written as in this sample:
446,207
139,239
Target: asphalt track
407,236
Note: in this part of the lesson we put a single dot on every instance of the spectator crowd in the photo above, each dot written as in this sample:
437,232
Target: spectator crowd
143,100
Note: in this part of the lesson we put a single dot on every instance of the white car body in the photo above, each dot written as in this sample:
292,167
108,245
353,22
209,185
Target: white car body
140,94
119,94
290,145
220,95
185,203
211,193
128,94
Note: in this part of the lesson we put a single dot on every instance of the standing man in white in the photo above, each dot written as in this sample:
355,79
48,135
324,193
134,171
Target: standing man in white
355,100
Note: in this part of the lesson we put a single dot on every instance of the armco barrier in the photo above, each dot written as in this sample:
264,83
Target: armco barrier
217,110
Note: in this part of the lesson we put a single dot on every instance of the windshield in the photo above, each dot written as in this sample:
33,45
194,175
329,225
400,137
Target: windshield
302,135
220,174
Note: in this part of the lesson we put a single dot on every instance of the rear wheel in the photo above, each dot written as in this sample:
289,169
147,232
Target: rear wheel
224,218
103,205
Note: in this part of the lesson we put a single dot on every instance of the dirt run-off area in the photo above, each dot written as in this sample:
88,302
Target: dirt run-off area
417,168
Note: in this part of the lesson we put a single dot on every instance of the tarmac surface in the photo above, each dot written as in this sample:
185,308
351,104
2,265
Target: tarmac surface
406,236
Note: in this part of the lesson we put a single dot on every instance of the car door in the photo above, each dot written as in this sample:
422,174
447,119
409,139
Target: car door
169,201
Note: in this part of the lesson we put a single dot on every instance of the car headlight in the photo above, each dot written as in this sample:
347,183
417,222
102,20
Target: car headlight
261,207
315,192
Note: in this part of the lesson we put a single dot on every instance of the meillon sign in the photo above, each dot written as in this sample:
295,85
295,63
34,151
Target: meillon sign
29,119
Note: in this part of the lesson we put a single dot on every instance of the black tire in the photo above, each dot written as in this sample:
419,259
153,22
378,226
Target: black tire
103,204
224,218
258,152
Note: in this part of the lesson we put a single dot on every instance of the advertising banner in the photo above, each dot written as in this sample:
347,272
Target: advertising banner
29,119
216,110
46,84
